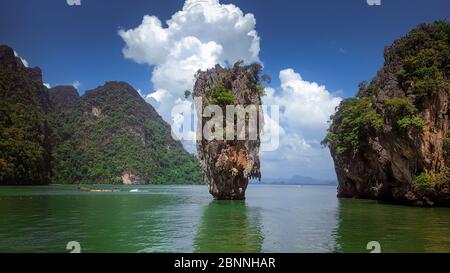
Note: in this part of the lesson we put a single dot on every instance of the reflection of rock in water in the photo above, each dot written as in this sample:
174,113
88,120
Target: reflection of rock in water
396,228
229,227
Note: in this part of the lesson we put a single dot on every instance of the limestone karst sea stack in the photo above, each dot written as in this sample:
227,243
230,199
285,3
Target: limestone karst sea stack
229,163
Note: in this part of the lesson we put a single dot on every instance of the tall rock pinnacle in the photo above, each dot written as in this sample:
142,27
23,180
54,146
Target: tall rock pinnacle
229,162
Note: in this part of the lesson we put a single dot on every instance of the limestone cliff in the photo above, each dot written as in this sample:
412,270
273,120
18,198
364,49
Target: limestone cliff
228,164
392,141
111,135
107,135
24,128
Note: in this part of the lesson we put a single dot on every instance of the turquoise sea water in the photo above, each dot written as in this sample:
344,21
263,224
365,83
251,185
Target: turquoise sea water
186,219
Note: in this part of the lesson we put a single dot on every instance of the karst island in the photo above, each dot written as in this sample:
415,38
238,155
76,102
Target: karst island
231,157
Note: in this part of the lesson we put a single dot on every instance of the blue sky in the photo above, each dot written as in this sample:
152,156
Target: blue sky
336,43
333,43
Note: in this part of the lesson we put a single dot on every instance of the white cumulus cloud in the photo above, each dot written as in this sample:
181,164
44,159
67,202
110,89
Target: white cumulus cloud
203,33
73,2
304,105
305,108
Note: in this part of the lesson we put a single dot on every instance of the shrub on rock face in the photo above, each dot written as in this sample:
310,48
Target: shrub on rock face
410,121
352,120
400,106
221,96
426,66
430,188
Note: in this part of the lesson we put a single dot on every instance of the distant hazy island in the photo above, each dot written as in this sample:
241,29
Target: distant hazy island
294,180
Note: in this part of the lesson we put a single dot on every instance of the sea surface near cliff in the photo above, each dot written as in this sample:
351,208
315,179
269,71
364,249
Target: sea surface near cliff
274,218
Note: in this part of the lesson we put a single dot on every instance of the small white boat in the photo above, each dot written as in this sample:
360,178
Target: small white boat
134,190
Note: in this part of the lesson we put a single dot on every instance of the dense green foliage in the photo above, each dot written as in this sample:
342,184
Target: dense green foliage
402,112
24,156
423,182
410,121
399,106
221,96
112,131
424,60
353,118
430,184
109,135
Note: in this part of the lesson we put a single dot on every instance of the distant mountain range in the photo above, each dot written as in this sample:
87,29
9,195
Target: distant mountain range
295,180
